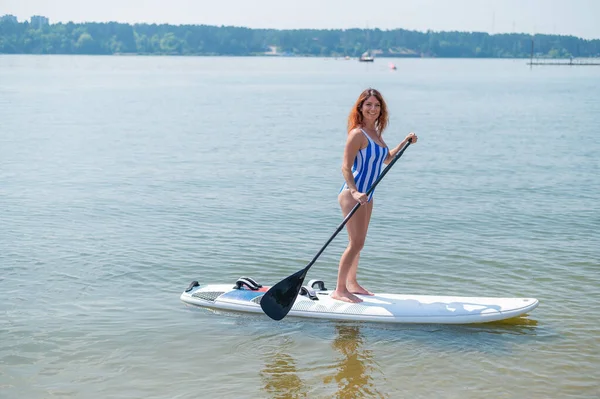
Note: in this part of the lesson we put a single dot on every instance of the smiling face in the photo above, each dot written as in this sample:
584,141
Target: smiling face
370,109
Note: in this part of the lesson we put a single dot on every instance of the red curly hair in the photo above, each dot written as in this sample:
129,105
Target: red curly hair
355,118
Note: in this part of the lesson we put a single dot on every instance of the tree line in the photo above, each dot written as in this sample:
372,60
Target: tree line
119,38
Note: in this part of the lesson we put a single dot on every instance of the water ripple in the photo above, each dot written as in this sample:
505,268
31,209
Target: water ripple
122,182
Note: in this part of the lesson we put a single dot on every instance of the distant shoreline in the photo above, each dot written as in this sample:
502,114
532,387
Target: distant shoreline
538,60
91,38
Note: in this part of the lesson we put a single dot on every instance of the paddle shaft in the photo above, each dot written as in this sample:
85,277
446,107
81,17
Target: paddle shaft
353,211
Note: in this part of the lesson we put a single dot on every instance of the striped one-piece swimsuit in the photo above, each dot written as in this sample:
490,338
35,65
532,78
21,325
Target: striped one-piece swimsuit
367,166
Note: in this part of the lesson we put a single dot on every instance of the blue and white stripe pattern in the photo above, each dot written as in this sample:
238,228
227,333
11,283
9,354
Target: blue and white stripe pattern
367,166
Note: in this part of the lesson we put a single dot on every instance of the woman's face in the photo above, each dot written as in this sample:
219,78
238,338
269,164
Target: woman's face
371,109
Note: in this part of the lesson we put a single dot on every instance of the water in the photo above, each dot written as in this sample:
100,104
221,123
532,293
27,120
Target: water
124,178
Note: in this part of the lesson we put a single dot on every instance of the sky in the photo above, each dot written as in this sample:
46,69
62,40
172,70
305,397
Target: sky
565,17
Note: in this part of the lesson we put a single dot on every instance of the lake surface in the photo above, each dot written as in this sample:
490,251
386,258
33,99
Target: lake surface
122,179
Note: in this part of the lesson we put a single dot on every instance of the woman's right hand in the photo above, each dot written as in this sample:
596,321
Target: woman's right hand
361,198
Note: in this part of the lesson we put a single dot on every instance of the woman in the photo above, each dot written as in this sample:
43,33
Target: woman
364,155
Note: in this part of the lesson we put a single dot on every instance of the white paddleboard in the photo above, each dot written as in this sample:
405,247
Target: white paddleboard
385,308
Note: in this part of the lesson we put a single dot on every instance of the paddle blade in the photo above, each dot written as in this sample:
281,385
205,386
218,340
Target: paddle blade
280,298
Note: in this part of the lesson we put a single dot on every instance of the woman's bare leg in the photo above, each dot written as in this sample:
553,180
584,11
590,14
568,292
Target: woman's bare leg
351,282
357,232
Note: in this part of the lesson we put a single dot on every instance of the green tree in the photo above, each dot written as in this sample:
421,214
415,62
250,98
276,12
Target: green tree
112,37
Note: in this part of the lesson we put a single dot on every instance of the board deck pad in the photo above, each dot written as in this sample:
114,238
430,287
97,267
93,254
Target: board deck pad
381,307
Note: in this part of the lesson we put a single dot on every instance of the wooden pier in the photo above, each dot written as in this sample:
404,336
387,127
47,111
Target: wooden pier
566,62
569,62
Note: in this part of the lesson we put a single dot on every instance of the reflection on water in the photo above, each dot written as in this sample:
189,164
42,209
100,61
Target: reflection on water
516,326
349,375
355,369
352,370
523,325
280,375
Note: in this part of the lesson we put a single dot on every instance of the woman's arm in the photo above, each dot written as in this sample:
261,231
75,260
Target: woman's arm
355,141
410,137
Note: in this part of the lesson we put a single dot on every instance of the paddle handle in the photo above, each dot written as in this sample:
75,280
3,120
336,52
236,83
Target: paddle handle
353,211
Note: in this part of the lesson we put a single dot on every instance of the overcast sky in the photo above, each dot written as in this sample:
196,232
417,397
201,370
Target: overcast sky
570,17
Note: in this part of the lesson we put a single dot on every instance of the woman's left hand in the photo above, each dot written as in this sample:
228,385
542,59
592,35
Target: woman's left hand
412,138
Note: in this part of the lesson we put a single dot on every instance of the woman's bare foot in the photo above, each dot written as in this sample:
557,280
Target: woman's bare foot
345,297
357,289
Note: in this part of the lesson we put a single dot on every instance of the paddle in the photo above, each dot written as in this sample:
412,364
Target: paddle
280,298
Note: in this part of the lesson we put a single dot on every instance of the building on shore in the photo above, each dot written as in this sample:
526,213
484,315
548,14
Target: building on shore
38,21
8,18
